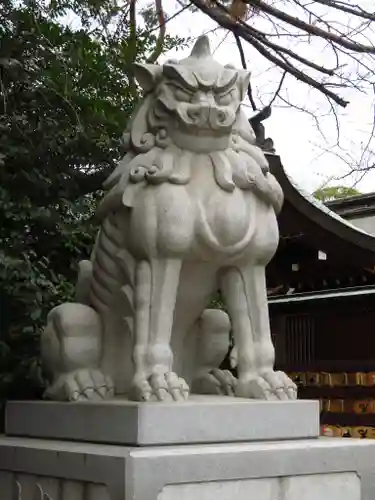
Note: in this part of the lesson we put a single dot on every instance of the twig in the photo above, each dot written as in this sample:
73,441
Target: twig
168,19
309,28
304,110
221,42
350,10
296,72
334,113
278,89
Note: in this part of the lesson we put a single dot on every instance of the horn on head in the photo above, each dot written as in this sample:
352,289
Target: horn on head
201,47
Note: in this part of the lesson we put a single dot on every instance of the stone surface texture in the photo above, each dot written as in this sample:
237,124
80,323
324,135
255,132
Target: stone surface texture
314,469
66,468
343,486
30,487
201,419
190,209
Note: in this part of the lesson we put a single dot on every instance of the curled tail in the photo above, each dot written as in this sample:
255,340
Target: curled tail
109,276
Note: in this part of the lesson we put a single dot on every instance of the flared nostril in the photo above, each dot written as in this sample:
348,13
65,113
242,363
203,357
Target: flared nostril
194,114
218,118
221,116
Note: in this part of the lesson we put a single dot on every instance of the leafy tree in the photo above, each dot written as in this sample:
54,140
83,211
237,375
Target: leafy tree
66,94
330,193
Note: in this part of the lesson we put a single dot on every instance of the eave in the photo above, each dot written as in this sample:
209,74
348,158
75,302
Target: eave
322,228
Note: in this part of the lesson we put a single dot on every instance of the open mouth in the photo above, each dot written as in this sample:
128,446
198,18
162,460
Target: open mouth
202,131
200,139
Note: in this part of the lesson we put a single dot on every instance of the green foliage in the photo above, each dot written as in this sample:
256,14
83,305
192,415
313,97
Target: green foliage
331,193
65,98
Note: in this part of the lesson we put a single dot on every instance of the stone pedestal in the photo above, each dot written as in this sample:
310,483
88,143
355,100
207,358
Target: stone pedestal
201,419
277,467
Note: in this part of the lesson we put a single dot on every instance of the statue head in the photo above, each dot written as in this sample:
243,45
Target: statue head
190,106
197,98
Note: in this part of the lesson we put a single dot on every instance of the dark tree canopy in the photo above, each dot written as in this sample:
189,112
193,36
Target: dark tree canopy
66,94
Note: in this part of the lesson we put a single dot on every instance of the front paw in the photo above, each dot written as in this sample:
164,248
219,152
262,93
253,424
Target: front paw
215,382
269,385
81,385
159,387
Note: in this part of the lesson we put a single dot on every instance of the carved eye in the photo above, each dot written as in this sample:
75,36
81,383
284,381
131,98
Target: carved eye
182,95
225,99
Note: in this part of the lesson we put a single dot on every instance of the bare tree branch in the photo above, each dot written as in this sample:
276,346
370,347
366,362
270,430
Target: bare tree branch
346,8
221,42
341,31
169,19
262,37
278,48
278,89
316,119
310,28
221,15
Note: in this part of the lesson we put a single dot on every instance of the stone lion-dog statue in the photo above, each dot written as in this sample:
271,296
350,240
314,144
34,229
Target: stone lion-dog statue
190,209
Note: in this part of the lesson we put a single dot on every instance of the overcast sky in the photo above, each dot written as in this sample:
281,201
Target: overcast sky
306,154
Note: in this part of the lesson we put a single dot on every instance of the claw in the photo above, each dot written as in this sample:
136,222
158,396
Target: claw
89,393
102,391
161,394
185,391
176,394
280,394
146,396
81,385
74,396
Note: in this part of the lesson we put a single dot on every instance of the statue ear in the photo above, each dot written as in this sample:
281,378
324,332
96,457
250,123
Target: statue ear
244,79
147,75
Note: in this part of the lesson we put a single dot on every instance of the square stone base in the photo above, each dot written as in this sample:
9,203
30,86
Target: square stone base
314,469
201,419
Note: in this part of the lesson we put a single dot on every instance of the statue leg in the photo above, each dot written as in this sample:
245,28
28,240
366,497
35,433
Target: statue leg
211,348
244,290
155,306
141,389
71,349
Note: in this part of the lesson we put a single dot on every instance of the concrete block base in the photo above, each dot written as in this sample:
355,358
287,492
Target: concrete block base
314,469
175,454
201,419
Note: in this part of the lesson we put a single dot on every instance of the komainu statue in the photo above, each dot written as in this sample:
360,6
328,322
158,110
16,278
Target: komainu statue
189,210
